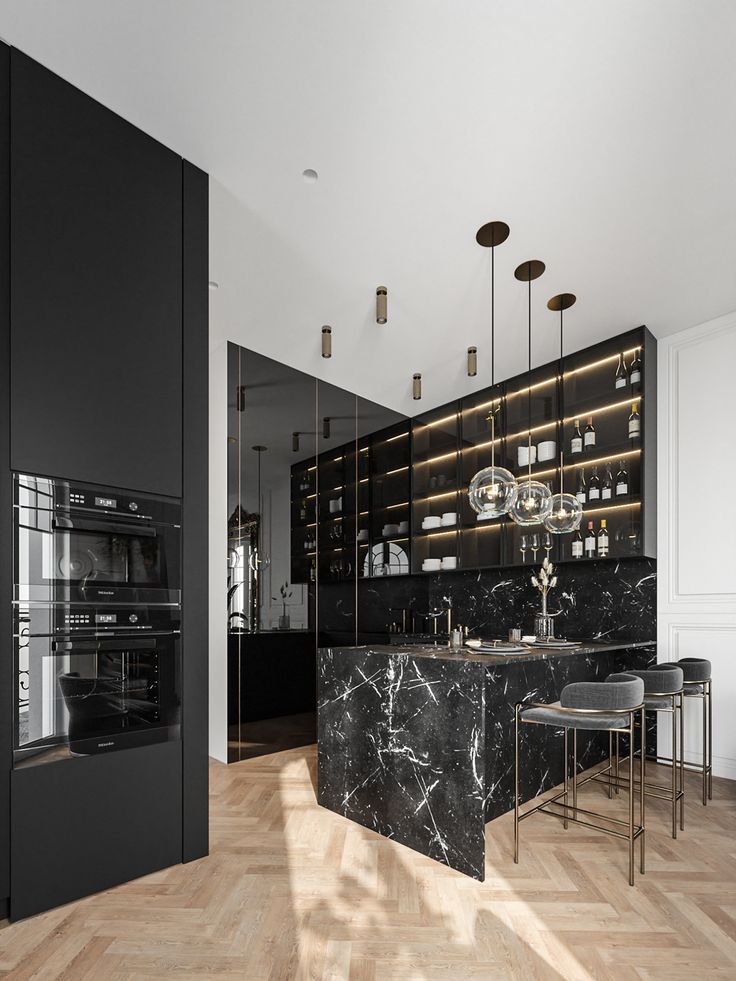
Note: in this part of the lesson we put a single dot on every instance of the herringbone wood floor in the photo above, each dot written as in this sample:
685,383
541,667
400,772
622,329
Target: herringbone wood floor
291,891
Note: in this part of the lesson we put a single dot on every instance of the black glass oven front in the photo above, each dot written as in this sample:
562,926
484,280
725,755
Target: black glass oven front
83,544
92,680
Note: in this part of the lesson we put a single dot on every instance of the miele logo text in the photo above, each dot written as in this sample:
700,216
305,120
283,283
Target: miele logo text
105,592
102,745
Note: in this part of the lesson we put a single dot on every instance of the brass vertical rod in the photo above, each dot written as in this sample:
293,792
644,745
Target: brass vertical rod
610,764
705,742
516,786
642,777
575,774
710,742
616,762
567,773
674,769
631,799
682,760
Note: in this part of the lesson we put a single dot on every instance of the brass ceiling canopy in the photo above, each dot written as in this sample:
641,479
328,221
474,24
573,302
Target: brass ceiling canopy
563,301
491,234
259,449
530,270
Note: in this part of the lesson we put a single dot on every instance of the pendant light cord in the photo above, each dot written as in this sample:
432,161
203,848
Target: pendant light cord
493,355
562,409
529,393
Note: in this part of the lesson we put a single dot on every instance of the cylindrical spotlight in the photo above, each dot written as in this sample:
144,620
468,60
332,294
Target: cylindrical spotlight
381,305
326,427
472,361
326,342
416,388
295,442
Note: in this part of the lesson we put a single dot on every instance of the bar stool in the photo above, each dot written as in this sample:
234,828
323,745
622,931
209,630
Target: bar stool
663,692
598,705
697,684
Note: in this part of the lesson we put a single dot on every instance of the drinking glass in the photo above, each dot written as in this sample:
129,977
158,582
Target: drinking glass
523,546
535,545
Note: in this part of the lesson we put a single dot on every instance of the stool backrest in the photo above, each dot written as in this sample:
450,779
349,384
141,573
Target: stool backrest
618,692
693,668
665,679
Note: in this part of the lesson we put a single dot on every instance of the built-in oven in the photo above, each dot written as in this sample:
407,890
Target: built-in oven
94,679
77,543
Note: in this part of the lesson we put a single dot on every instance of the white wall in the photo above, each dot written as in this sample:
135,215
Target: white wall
696,598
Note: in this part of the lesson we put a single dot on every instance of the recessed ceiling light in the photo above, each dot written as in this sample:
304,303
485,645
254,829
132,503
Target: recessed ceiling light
213,285
310,176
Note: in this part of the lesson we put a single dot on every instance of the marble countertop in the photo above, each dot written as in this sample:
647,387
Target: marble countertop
442,652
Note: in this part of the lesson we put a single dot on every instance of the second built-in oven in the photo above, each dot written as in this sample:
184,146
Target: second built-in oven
94,679
76,543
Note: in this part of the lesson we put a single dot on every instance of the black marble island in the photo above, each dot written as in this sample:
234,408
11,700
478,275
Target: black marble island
416,742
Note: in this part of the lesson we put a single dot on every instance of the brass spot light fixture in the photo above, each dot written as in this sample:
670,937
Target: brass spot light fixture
326,427
567,511
295,442
534,499
472,362
326,342
493,489
381,305
416,386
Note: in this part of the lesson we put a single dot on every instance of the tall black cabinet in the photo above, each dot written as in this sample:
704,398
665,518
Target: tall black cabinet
103,379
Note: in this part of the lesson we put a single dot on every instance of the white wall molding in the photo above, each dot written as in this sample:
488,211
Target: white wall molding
696,589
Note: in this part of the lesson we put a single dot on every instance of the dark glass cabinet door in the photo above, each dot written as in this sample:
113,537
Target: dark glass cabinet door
96,291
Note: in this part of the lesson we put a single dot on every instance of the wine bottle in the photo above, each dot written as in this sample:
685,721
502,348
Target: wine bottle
576,444
635,370
577,545
621,376
607,488
303,511
622,480
581,493
590,541
634,422
589,435
603,540
594,486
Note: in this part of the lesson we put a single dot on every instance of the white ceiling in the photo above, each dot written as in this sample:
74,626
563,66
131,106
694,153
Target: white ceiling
604,134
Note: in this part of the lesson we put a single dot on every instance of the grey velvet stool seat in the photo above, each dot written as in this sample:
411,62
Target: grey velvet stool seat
697,684
611,706
663,692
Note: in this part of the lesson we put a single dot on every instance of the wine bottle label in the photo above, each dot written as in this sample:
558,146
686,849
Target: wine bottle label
590,545
590,439
581,496
606,495
635,376
594,494
634,427
577,445
621,488
577,550
621,382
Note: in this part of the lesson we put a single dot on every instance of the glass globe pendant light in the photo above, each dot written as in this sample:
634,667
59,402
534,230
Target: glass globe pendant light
492,491
533,499
567,511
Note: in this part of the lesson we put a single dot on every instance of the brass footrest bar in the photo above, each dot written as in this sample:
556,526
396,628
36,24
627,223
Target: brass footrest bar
652,789
638,829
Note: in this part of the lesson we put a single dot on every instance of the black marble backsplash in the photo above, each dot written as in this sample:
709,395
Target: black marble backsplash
605,600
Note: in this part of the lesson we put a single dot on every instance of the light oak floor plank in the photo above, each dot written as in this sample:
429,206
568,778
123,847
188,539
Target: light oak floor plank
291,892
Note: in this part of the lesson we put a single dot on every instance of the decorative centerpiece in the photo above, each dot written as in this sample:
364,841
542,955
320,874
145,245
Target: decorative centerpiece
284,619
544,580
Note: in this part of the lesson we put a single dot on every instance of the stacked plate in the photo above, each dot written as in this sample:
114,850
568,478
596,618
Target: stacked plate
555,642
431,565
448,518
494,647
431,521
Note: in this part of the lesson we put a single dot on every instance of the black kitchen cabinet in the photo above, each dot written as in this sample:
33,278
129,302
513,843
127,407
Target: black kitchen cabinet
96,291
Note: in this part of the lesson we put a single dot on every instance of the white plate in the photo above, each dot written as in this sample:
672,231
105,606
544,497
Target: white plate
552,645
486,649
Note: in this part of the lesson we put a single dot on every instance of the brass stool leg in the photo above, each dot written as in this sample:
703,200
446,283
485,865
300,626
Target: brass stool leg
516,786
682,761
705,743
674,769
610,764
575,774
567,773
616,766
631,799
642,777
710,743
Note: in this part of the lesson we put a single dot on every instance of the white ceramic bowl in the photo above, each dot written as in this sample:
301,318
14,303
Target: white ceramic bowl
449,518
431,522
522,455
390,530
403,527
547,450
449,562
432,565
